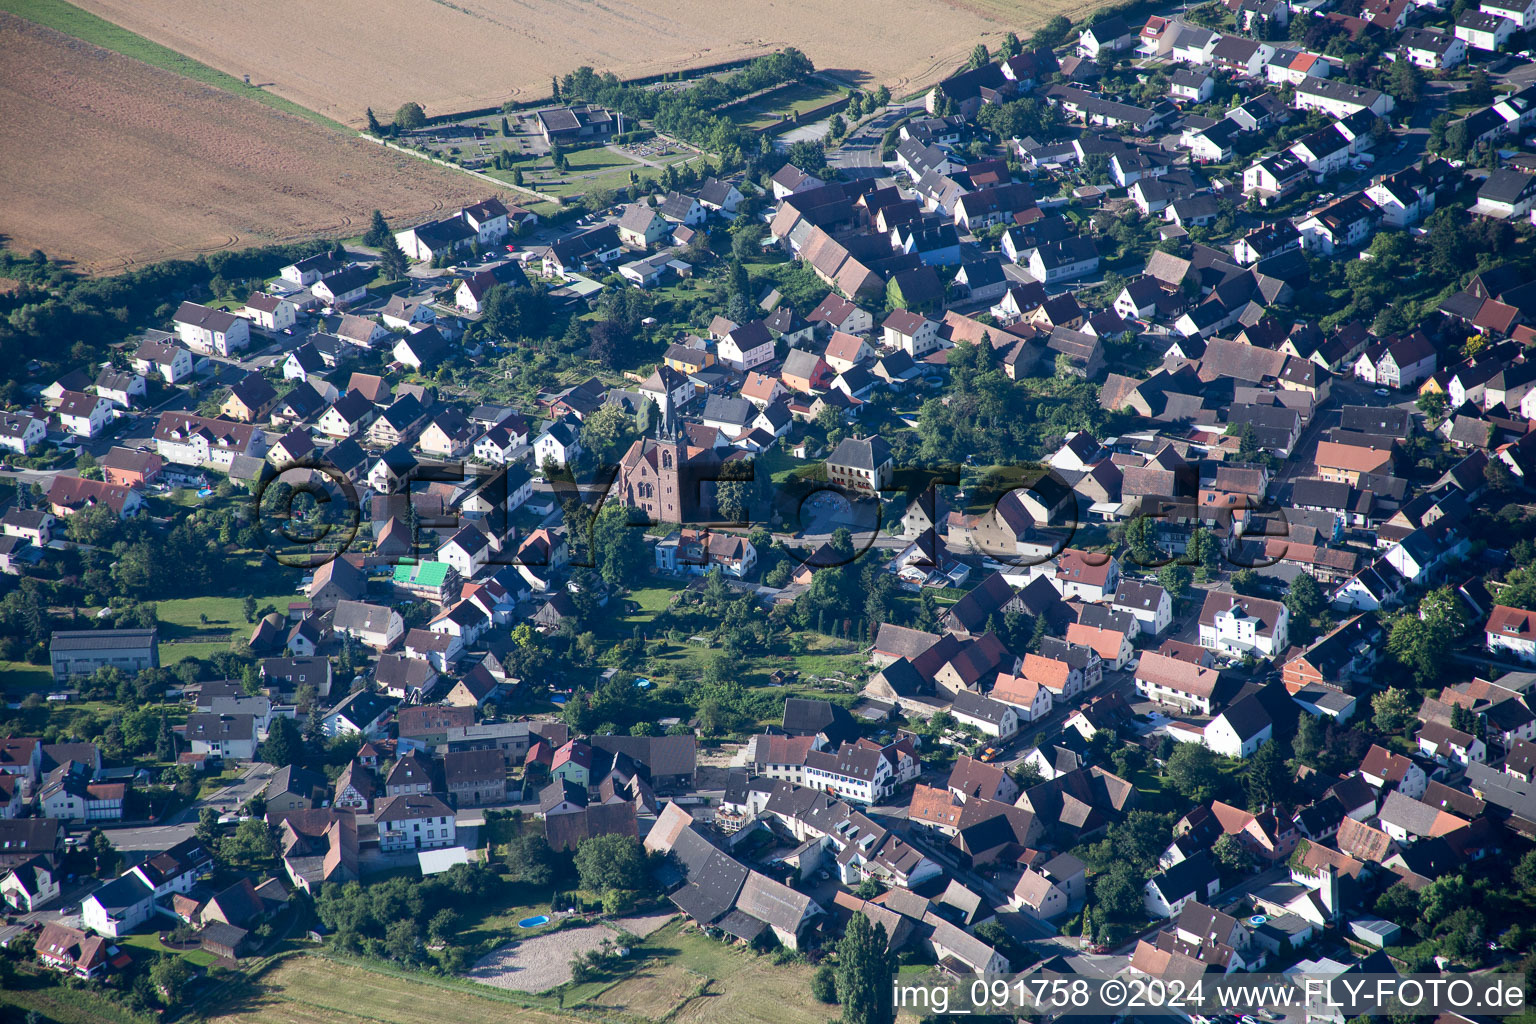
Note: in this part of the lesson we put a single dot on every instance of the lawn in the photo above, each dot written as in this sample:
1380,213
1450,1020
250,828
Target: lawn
21,676
314,990
71,20
790,99
150,942
59,1005
170,654
742,987
588,170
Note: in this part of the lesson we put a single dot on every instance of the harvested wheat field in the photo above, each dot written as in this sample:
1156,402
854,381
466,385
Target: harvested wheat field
110,162
340,58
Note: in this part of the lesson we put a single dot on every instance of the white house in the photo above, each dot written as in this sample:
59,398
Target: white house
1175,682
177,869
1483,31
118,907
83,415
1240,730
1236,625
20,431
374,625
272,312
558,443
1511,631
211,331
992,717
1147,602
1340,99
1031,701
172,362
858,774
1521,12
1194,878
414,821
745,346
911,332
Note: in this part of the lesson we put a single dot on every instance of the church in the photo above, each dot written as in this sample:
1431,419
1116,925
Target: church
671,481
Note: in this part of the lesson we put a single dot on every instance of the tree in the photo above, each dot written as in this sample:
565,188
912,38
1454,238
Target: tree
1422,642
1026,775
374,128
1011,46
530,859
410,116
1308,741
864,970
606,432
248,607
378,234
1232,855
610,861
1525,871
1405,81
284,745
824,984
1479,89
1392,709
1204,554
165,742
980,58
392,260
506,129
207,830
1302,598
253,846
618,547
1175,579
1193,771
1266,777
1117,892
169,974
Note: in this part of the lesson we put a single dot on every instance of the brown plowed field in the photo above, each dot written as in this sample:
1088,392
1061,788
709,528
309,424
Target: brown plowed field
110,162
341,57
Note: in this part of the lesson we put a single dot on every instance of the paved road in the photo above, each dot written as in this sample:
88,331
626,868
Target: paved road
862,146
253,779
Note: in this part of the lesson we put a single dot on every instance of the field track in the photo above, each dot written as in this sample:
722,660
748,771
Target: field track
111,163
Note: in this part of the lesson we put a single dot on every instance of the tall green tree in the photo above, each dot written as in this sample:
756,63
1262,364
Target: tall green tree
1303,599
864,971
378,231
1193,771
1393,709
392,260
1266,777
284,745
618,546
611,862
410,116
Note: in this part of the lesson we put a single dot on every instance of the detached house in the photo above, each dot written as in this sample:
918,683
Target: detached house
1511,630
171,362
211,331
1236,625
83,415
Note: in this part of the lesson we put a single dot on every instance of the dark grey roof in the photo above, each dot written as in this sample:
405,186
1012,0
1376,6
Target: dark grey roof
1189,877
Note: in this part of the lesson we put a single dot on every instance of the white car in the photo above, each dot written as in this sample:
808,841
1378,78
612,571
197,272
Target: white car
1382,393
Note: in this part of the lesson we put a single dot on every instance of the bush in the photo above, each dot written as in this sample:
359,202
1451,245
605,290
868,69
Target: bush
824,984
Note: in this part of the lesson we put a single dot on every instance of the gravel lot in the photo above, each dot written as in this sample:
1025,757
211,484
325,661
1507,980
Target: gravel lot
540,963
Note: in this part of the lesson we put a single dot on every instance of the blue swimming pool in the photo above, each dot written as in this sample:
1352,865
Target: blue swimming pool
533,922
